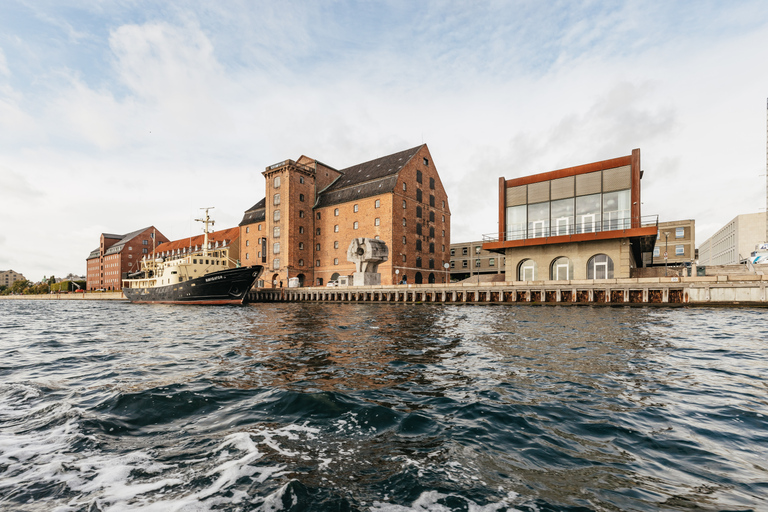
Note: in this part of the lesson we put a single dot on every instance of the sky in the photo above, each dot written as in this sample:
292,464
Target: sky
118,115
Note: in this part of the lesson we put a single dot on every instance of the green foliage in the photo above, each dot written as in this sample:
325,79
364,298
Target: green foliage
19,286
37,289
63,286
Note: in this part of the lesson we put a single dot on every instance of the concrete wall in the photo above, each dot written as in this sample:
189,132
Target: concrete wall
734,240
579,254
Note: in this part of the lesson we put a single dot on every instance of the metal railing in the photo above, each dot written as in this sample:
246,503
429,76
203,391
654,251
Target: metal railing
536,230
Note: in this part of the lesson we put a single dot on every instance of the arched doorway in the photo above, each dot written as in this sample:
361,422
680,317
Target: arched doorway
301,278
431,279
417,278
334,276
273,282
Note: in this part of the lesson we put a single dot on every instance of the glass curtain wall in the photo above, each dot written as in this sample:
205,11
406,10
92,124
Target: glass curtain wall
589,213
616,210
538,220
516,222
562,217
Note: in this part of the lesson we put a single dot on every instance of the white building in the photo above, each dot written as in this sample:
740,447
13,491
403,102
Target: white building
734,242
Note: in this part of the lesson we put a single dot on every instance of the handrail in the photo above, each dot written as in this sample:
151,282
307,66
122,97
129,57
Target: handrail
534,231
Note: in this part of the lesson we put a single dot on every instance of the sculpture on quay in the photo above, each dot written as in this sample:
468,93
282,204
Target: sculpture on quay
366,254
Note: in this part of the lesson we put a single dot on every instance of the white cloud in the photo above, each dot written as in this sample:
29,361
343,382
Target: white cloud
185,107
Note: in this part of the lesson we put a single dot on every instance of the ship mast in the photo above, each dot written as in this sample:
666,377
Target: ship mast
206,221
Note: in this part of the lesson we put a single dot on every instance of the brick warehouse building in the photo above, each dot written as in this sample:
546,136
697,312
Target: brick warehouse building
117,255
582,222
311,213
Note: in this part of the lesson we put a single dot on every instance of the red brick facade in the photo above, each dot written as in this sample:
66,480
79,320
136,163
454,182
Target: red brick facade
312,212
119,255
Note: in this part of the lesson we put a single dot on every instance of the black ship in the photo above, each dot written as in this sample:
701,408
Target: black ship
196,275
227,286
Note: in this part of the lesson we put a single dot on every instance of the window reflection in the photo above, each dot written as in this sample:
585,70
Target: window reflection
538,220
588,213
562,217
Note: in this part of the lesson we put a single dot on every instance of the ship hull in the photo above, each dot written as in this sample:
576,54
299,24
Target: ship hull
223,287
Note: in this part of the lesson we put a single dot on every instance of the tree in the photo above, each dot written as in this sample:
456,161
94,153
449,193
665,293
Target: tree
19,286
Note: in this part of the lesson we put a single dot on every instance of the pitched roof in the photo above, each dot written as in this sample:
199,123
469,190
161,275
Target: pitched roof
223,235
256,213
124,240
367,179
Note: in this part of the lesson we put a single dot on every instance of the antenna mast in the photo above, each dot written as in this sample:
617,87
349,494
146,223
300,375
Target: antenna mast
206,221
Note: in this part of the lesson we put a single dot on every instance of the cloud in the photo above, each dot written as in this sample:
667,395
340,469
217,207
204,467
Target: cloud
147,111
16,188
3,64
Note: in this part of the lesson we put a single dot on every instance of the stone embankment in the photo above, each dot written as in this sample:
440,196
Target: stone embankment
69,296
730,290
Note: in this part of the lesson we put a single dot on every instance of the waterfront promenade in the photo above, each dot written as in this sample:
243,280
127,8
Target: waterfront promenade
68,296
747,289
727,290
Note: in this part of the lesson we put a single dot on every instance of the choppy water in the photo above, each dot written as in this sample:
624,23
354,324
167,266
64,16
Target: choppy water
386,408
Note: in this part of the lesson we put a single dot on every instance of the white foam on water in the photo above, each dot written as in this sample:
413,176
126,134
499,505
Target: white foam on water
429,501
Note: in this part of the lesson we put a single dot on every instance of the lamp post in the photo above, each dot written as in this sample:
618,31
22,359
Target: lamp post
666,251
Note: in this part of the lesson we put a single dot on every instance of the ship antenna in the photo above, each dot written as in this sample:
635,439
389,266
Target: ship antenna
206,221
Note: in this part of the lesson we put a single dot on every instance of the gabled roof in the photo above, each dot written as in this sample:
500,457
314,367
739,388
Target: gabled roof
256,213
229,234
124,240
367,179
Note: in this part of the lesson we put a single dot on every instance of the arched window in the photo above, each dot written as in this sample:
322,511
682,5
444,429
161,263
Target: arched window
561,269
600,266
526,271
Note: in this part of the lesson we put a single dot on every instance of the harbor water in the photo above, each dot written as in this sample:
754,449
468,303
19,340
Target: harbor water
111,406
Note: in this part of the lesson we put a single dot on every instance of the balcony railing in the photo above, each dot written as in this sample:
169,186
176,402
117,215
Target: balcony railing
540,229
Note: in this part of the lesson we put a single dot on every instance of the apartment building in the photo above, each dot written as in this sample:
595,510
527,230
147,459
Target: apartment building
469,259
119,255
734,242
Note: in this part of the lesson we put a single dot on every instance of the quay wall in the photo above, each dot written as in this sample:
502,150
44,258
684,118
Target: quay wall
730,290
68,296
